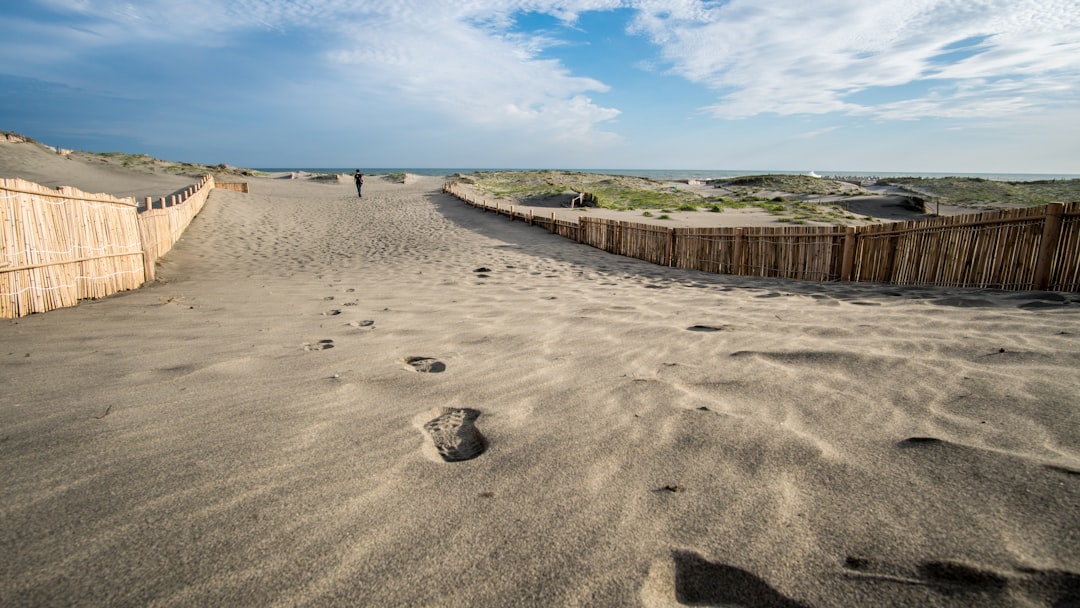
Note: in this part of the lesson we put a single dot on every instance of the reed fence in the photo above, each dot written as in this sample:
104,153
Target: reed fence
235,186
1036,248
62,245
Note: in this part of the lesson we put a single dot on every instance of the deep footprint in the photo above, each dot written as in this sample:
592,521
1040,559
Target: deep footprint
425,365
455,435
707,328
320,345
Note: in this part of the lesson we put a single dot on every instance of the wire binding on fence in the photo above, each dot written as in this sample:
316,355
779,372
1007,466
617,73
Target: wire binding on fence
132,248
85,240
43,288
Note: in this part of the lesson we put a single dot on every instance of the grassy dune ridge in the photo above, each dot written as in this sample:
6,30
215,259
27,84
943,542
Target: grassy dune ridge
775,194
979,192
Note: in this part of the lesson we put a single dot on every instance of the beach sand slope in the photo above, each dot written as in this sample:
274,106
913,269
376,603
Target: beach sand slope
402,401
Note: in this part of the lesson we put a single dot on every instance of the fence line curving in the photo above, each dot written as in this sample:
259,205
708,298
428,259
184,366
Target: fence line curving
62,245
1036,248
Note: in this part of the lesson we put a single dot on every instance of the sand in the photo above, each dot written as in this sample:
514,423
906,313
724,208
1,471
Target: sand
269,425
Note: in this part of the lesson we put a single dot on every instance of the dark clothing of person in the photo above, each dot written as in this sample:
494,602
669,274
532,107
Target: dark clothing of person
359,179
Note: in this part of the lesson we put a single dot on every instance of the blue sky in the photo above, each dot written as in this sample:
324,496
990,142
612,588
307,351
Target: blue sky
913,85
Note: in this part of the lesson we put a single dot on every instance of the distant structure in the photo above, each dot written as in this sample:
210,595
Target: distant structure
22,139
858,180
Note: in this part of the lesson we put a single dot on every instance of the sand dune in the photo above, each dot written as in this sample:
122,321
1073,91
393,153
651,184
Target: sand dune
270,425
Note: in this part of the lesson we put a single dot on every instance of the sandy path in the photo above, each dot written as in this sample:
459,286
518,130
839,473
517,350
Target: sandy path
249,432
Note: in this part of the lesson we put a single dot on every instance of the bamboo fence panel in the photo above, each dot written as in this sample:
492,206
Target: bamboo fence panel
996,250
160,229
600,233
706,249
1014,249
547,223
565,228
792,252
60,245
234,186
646,242
1065,270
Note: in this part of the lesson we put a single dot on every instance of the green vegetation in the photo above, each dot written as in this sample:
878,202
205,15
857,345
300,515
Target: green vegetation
788,211
151,164
396,178
793,184
976,192
612,191
630,193
778,195
127,160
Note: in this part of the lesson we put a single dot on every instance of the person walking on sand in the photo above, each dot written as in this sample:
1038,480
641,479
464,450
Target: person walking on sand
359,179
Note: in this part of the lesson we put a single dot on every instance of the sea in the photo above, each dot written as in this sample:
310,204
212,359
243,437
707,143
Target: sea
682,174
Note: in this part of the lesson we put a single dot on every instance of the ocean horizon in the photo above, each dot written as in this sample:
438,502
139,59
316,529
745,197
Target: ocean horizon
682,174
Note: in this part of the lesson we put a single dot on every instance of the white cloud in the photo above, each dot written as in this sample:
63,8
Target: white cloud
456,56
817,132
794,57
437,72
472,75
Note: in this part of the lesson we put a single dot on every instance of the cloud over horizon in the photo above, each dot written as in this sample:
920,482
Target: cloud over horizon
542,71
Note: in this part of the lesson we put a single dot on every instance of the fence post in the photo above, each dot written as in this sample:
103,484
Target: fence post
1048,246
553,222
848,265
890,260
149,203
671,247
737,256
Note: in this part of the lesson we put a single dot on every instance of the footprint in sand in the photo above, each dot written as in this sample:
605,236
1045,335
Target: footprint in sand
333,312
455,435
707,328
702,582
320,345
949,577
914,442
368,324
427,365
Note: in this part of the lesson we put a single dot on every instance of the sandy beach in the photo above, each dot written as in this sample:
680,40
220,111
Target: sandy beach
269,424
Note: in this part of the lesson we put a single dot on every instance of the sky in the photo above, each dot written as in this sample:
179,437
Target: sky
983,86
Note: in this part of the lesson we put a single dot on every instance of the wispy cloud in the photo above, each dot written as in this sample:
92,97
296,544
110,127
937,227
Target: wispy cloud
796,57
817,132
457,56
554,82
784,57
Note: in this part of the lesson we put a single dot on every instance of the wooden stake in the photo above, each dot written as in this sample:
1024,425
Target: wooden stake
1048,246
848,255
